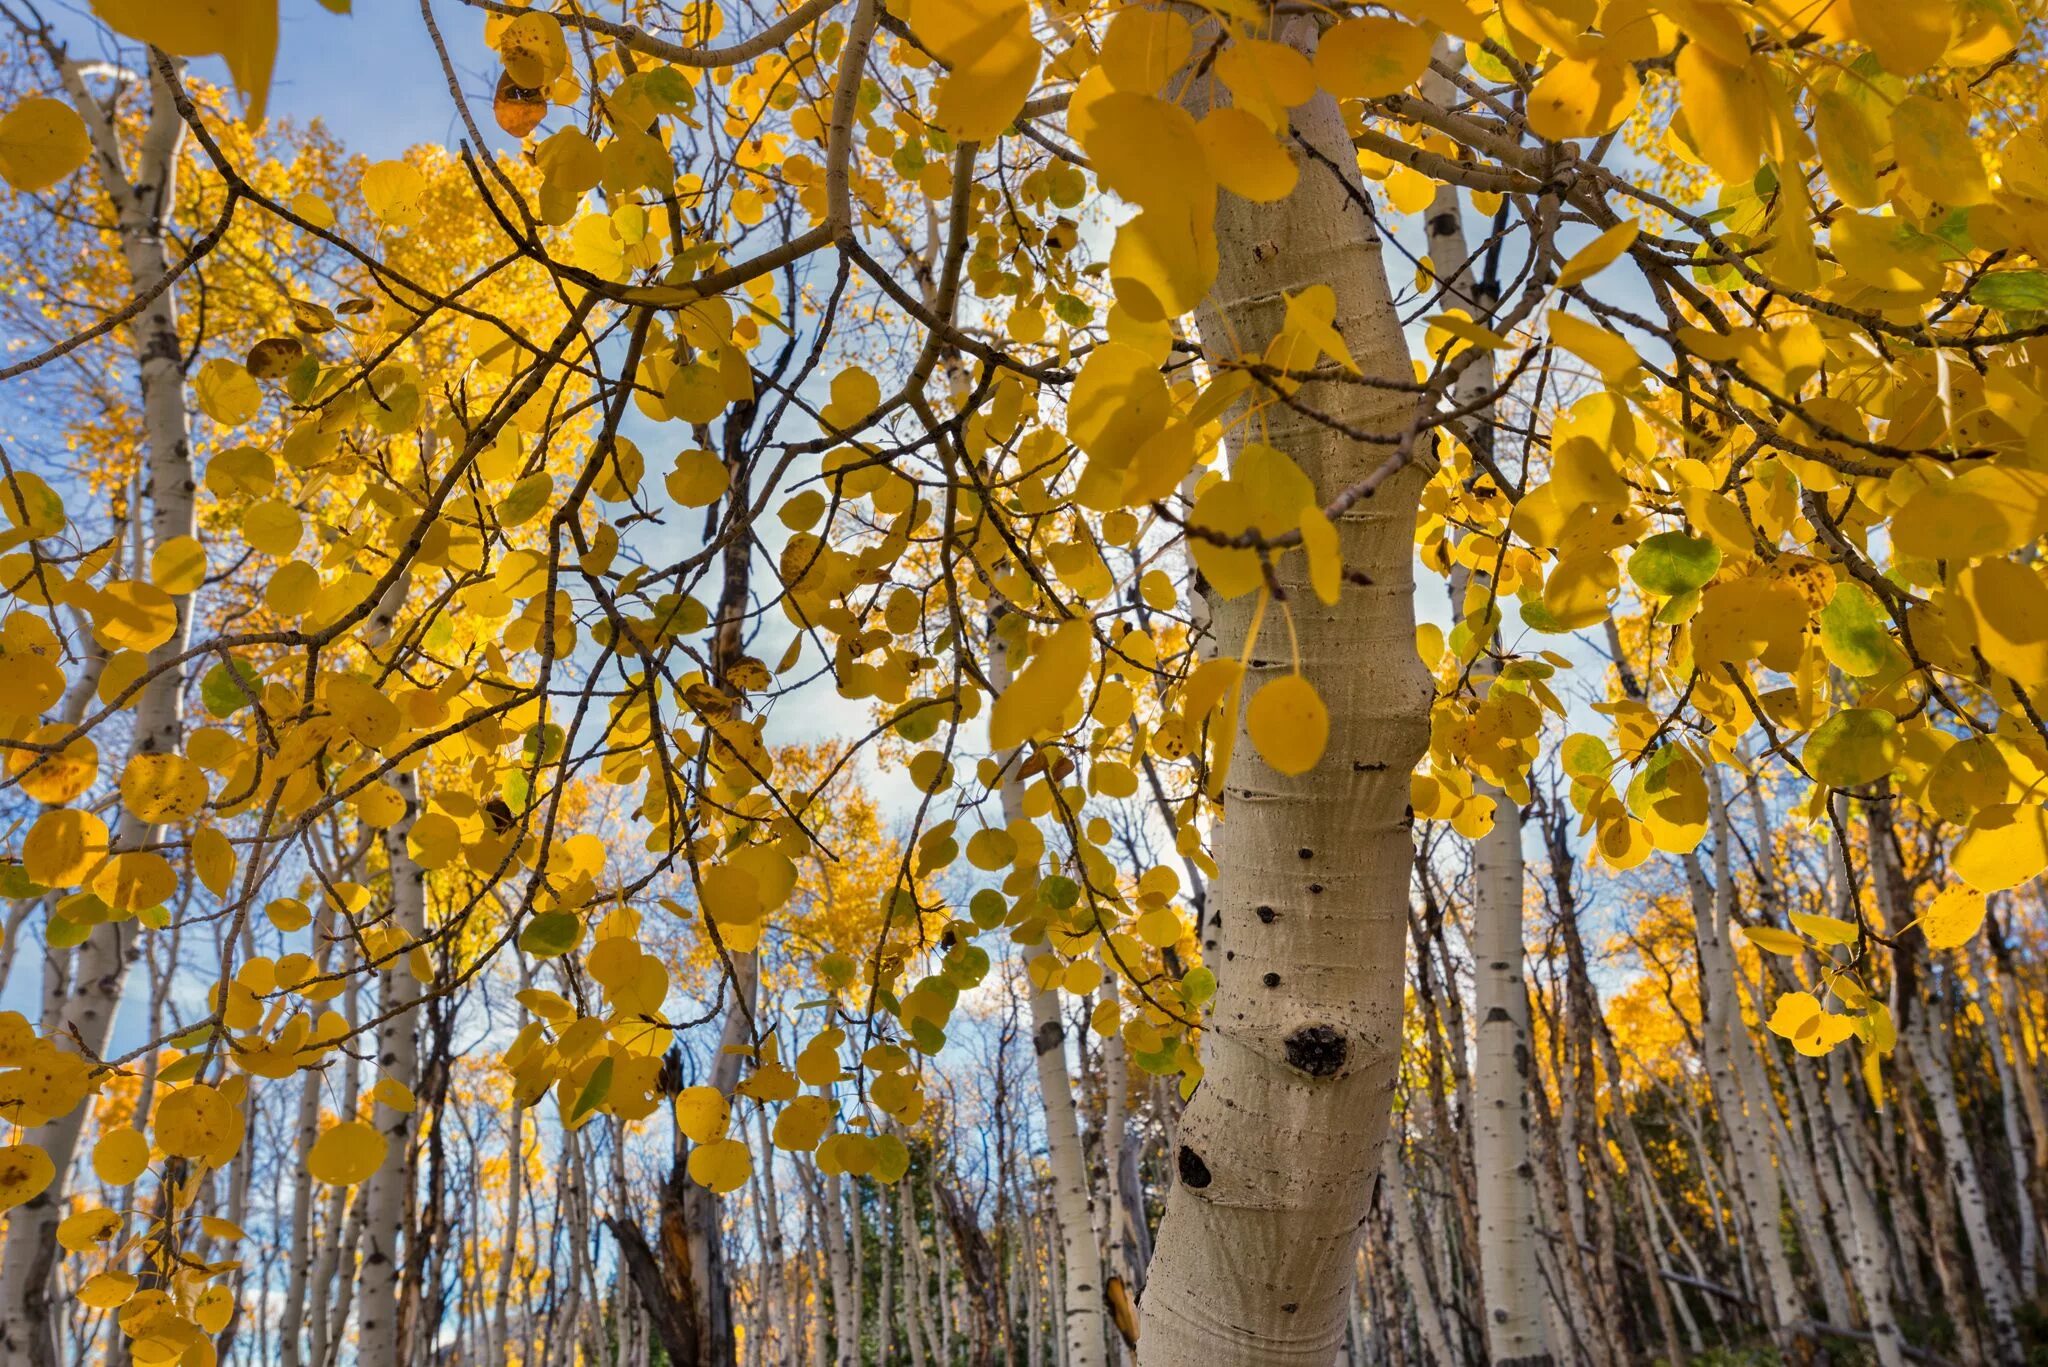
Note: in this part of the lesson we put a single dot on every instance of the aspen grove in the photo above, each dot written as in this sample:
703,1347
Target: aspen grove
1060,683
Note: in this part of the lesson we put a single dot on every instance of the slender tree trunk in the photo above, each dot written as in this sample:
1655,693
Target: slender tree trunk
1869,1262
85,1009
388,1194
1279,1147
1424,1299
1739,1100
1502,1075
1073,1198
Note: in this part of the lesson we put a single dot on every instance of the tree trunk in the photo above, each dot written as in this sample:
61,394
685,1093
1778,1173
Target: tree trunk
1279,1147
90,994
1073,1199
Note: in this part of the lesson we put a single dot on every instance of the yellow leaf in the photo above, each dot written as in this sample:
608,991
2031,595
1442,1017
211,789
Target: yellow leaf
197,1122
1825,930
2004,847
1773,940
394,1095
347,1153
87,1230
163,789
723,1165
1266,76
1148,152
802,1124
41,142
243,32
178,567
107,1290
1371,57
1935,150
1724,112
1289,724
702,1112
1597,255
1118,401
1037,698
120,1156
1906,39
227,392
993,56
2009,604
63,846
1164,261
1248,161
1796,1014
1143,47
135,881
1607,352
1325,555
533,50
132,615
1954,917
393,190
24,1171
1583,99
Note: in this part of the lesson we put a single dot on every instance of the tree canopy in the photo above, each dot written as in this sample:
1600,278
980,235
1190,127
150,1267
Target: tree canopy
798,503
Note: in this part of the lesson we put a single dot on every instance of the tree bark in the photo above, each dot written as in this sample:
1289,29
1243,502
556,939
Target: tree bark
1279,1147
90,996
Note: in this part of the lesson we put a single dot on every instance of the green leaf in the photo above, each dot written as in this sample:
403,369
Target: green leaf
550,934
1672,563
526,499
988,908
1585,756
1852,748
1853,633
63,933
594,1091
1059,893
222,695
2011,290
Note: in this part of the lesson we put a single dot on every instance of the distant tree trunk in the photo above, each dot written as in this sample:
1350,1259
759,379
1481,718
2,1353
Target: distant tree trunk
1502,1071
1279,1147
1740,1098
1073,1198
84,996
1923,1041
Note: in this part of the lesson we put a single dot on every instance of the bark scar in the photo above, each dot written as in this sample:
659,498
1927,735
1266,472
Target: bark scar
1318,1050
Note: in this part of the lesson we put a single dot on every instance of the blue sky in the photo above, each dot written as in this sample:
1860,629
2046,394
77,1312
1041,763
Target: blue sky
373,75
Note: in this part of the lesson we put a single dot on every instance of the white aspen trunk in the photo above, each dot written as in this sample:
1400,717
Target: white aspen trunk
856,1266
1798,1174
90,999
337,1228
2007,1060
779,1296
1034,1334
1930,1051
1869,1262
1081,1327
1739,1099
891,1230
1279,1147
1503,1171
398,1059
831,1208
916,1312
1414,1266
1127,1254
498,1352
294,1317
